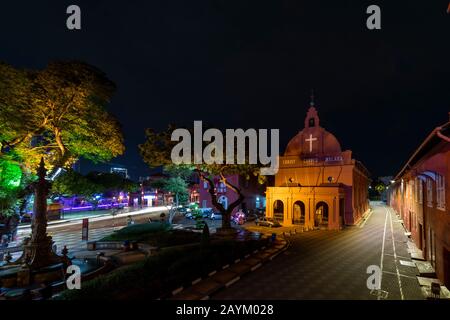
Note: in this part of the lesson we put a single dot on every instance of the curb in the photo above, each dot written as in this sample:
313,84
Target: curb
249,263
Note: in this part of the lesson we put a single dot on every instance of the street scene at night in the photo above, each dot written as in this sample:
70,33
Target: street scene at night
218,158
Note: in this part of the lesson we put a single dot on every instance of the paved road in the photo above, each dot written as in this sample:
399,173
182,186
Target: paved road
332,265
69,233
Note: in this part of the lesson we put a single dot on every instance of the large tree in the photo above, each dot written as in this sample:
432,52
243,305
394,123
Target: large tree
57,113
156,151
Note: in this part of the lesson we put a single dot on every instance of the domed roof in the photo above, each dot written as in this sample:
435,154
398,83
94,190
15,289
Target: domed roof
313,140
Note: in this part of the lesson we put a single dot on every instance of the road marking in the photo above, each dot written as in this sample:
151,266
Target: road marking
256,267
176,291
402,275
366,219
229,283
395,255
382,252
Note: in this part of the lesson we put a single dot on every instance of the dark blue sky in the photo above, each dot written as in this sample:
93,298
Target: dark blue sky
243,64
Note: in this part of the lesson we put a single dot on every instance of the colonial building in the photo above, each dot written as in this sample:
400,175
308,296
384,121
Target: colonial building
252,190
318,185
421,196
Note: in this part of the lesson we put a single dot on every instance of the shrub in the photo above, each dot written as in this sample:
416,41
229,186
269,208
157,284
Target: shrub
137,231
159,274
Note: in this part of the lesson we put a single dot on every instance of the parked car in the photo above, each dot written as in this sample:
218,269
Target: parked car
216,216
205,212
264,222
200,214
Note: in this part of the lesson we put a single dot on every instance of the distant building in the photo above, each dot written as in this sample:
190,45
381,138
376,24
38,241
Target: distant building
386,181
120,171
152,196
142,179
318,185
421,195
252,190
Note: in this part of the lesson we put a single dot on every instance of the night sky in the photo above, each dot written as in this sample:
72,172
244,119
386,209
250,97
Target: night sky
252,64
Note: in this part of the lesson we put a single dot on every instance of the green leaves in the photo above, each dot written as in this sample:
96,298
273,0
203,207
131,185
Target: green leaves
73,183
58,113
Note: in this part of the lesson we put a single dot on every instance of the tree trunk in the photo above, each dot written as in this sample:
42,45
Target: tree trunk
226,219
226,213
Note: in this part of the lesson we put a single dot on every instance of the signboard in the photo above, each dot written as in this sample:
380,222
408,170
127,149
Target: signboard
85,230
312,160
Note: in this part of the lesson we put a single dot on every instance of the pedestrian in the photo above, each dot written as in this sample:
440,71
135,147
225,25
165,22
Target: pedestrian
3,245
129,221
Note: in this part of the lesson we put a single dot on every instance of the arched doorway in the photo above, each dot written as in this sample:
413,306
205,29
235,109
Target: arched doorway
298,216
321,214
278,211
223,200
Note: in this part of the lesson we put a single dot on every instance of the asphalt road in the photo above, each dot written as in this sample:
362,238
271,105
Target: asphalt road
333,265
69,233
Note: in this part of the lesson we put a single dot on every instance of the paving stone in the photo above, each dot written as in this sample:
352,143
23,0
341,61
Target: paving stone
251,261
206,287
224,277
262,256
240,268
187,294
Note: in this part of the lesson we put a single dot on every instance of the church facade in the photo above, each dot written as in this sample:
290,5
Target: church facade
318,185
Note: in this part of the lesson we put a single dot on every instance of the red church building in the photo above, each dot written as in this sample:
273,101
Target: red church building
318,185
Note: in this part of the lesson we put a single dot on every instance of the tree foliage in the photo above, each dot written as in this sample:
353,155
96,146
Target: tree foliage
156,151
73,183
57,113
10,183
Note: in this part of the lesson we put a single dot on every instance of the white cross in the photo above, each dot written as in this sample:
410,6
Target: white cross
310,140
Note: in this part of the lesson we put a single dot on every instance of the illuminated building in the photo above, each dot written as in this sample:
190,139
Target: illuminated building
420,193
318,185
250,188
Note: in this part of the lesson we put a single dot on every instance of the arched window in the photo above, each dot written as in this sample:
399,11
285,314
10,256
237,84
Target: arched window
312,122
278,210
298,213
224,201
321,214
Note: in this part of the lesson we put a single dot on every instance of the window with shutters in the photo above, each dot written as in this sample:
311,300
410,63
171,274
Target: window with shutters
430,192
440,192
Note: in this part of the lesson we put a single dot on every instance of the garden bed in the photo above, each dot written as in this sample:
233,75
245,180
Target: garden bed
158,275
155,234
